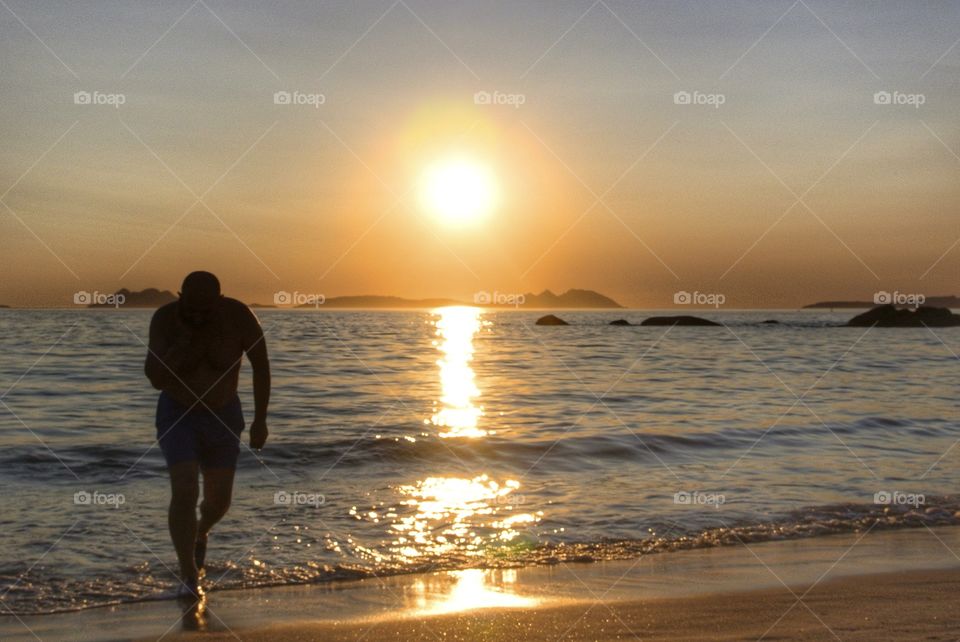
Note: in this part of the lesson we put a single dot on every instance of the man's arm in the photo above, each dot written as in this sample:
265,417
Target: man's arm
256,348
166,358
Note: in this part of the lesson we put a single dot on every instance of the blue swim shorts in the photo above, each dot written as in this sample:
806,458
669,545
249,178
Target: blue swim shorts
211,438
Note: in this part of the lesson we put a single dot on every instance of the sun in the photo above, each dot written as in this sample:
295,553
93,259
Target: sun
458,190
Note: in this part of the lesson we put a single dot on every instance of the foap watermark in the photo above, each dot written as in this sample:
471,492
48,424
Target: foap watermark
96,498
898,498
295,97
699,98
898,298
99,98
698,498
83,297
509,500
499,298
699,298
298,498
499,98
298,298
898,98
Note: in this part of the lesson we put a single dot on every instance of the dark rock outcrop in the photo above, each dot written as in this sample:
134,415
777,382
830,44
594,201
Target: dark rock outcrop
551,320
681,320
889,316
620,322
770,322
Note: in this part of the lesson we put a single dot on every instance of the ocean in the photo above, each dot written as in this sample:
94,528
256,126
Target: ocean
412,441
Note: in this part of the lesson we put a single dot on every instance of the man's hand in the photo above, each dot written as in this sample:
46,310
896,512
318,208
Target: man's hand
258,433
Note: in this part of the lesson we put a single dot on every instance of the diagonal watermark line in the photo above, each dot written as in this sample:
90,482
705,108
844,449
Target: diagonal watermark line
157,41
39,559
38,438
199,400
239,39
169,570
799,198
942,256
20,620
938,60
39,359
798,399
935,135
758,41
599,400
199,199
358,40
840,40
39,159
639,39
599,199
439,39
40,40
558,40
40,240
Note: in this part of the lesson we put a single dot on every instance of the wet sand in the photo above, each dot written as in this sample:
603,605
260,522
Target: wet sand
912,605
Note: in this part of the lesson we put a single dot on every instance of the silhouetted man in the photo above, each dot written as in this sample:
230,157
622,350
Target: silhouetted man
196,347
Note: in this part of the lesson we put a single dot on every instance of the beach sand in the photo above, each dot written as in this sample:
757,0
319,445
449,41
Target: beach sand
913,605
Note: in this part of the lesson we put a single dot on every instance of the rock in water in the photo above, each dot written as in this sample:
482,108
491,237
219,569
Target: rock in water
681,320
551,319
620,322
889,316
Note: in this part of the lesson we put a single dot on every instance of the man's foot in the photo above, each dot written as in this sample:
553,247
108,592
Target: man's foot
200,552
189,590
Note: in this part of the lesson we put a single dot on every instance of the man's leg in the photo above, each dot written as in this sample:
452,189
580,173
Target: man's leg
182,519
217,491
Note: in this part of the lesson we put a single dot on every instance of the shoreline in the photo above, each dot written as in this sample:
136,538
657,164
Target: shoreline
885,606
704,584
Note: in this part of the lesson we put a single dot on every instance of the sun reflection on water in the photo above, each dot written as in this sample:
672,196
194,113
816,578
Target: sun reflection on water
441,515
458,414
470,589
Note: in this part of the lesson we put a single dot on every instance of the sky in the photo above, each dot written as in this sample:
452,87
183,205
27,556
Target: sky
786,178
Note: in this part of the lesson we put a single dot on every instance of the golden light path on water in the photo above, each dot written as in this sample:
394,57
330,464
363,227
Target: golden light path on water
458,414
447,517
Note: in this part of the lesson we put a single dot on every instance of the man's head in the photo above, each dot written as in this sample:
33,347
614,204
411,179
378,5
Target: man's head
199,298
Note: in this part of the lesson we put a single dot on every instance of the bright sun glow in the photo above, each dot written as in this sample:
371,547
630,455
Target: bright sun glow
458,190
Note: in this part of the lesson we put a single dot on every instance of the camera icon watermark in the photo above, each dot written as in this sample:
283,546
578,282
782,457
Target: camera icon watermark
897,98
699,98
314,100
697,498
898,498
298,299
96,498
683,297
99,98
499,98
898,298
82,297
484,297
298,498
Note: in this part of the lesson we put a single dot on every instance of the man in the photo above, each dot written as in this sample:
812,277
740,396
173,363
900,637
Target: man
196,347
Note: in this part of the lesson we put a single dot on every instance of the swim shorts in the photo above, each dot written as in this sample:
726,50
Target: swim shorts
211,438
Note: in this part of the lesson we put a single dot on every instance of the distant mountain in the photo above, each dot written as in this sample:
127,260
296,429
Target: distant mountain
934,301
569,299
149,298
4,306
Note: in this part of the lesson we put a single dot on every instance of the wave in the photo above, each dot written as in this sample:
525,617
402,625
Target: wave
54,594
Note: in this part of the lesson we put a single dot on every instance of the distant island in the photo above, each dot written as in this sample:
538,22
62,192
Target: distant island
571,299
933,301
546,299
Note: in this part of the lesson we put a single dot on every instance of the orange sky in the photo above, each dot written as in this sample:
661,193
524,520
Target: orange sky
799,187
